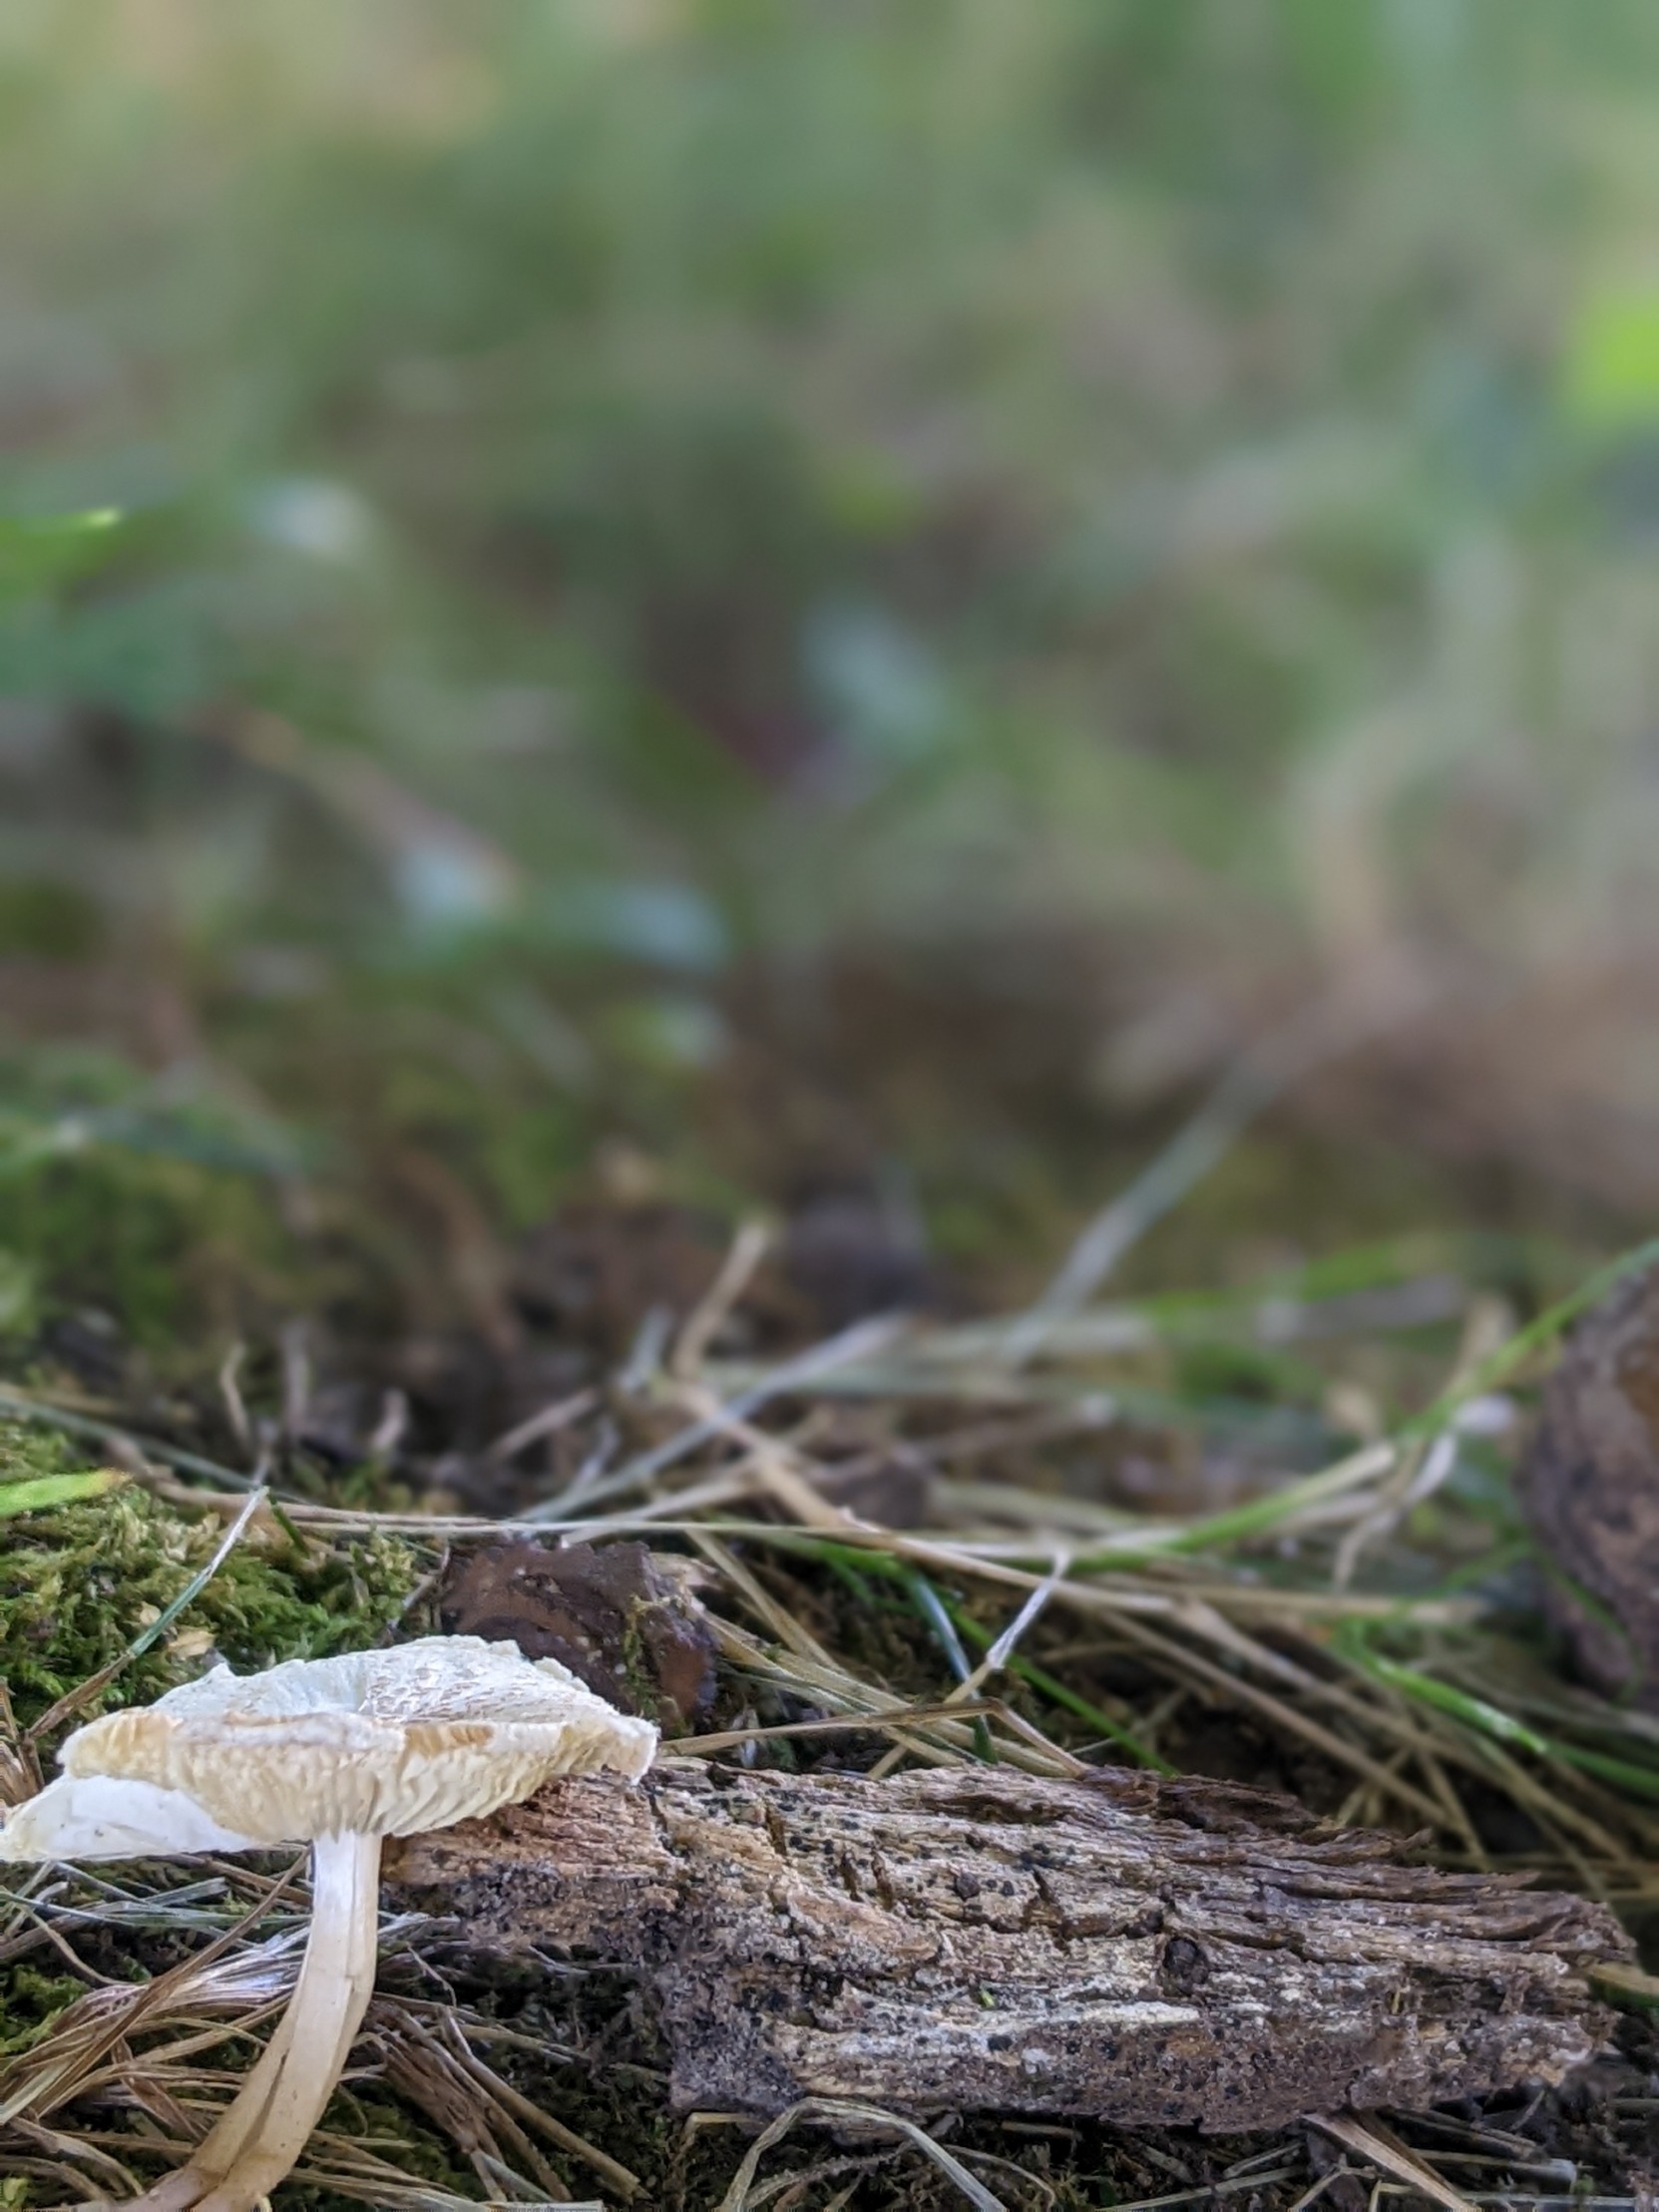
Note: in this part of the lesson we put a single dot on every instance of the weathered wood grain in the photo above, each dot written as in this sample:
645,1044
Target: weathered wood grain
1146,1953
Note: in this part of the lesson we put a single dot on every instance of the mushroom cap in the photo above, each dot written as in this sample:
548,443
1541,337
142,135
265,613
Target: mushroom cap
103,1817
377,1743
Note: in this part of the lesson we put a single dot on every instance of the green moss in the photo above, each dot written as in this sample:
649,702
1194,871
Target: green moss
160,1212
29,2003
162,1244
637,1669
79,1582
398,2135
51,920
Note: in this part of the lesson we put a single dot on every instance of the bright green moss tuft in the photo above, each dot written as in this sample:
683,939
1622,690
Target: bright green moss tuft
30,2003
79,1582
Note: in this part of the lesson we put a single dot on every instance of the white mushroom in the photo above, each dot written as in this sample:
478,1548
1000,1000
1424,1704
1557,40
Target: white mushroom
337,1753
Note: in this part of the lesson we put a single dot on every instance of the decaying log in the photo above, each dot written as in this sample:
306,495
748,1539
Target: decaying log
1146,1953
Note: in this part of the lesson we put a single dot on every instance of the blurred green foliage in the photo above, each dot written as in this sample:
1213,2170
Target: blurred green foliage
614,487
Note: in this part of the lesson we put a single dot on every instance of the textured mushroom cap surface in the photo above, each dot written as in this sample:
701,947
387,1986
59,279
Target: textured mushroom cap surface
379,1743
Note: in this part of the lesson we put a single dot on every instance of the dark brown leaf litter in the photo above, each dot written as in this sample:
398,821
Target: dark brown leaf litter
611,1614
979,1940
1590,1488
847,1254
593,1271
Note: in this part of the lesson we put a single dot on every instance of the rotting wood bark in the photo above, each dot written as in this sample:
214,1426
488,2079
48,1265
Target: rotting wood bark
1149,1952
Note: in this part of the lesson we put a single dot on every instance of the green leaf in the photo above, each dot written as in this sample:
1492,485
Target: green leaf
43,1491
40,553
1613,363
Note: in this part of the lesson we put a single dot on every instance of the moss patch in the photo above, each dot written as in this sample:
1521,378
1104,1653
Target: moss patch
32,2002
160,1243
79,1582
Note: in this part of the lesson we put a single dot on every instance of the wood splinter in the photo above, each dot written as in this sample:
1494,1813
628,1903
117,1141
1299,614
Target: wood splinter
1145,1952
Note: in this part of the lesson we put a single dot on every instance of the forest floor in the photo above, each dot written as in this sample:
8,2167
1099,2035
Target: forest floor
1245,1510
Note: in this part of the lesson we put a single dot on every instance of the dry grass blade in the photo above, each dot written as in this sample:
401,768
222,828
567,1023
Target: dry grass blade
704,1323
773,1467
348,2170
63,2178
547,1422
855,1343
764,1607
611,2170
878,1721
1427,1462
440,2082
797,2183
221,1982
1372,2142
1315,2191
1176,1659
1243,2185
939,1728
76,2150
834,2112
20,1774
994,1663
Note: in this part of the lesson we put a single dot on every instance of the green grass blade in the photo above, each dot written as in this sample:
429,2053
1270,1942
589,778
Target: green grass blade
40,1492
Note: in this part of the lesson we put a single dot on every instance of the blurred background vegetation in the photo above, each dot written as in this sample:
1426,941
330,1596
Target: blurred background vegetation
737,595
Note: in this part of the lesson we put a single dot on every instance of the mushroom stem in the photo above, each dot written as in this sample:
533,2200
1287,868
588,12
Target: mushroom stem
257,2141
220,2147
